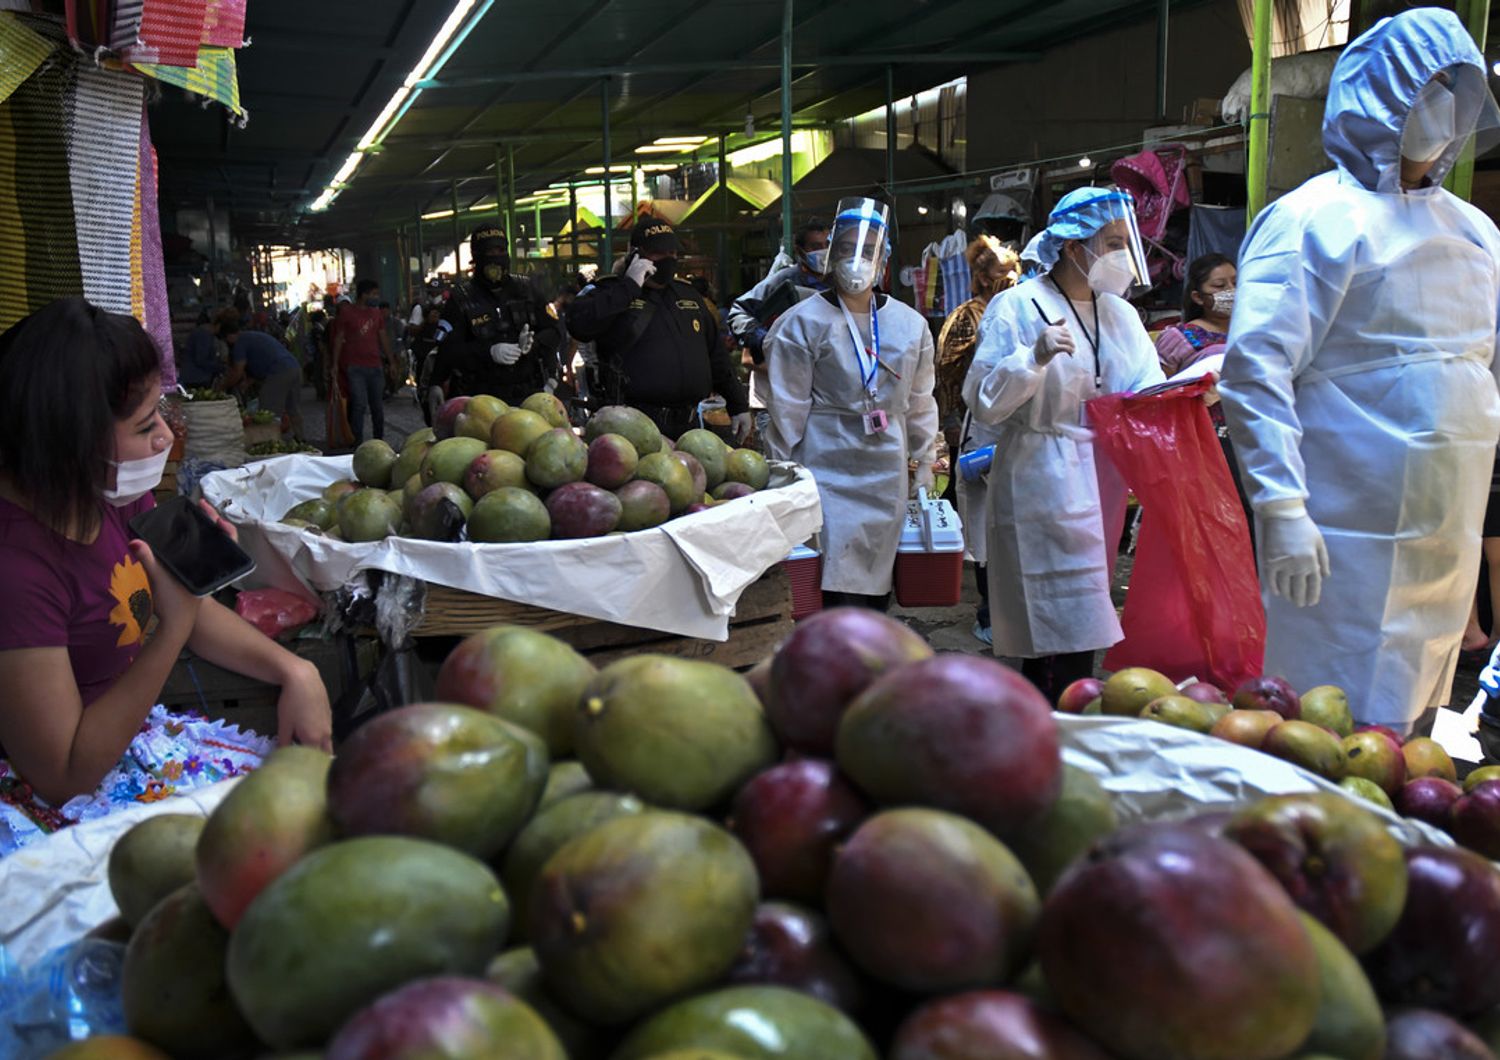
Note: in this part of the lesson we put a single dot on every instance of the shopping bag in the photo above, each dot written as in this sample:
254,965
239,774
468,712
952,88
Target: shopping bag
1193,608
338,431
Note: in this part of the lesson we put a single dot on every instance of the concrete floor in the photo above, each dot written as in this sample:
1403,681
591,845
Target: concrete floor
947,629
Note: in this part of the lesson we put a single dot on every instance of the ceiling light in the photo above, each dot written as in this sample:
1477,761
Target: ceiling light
1495,69
437,215
595,171
449,36
690,141
921,210
660,149
1085,162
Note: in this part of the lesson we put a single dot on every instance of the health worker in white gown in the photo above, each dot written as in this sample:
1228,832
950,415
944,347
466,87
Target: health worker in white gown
1047,346
1359,384
851,378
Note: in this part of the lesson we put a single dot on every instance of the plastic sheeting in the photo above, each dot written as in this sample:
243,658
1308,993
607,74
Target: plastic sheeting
682,578
1194,605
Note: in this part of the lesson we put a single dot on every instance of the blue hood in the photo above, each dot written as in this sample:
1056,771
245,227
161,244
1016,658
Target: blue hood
1377,80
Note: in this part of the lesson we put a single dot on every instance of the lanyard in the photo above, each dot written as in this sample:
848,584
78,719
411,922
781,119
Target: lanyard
863,353
1095,338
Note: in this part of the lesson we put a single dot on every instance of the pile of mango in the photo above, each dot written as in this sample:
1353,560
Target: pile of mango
490,473
859,849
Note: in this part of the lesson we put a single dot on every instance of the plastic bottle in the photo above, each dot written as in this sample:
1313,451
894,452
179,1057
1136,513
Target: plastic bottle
71,993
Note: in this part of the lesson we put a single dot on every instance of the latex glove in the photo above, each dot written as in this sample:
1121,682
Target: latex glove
1054,339
742,425
550,385
506,353
923,478
1292,554
525,339
639,269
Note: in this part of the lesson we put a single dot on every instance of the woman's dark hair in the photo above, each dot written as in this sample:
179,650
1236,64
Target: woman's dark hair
1197,276
67,373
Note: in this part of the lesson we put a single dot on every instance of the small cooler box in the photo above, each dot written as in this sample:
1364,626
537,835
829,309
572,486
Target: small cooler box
930,558
804,569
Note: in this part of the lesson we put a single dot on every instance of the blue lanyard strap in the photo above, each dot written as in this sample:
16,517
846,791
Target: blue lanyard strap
861,353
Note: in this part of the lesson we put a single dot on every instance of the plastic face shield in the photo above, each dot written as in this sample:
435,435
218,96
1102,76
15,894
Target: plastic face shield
1113,218
1463,92
859,238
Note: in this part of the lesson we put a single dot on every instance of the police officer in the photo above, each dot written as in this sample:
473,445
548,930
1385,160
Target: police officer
657,339
496,336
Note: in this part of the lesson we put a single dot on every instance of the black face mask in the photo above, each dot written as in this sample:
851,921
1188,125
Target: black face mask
666,268
493,267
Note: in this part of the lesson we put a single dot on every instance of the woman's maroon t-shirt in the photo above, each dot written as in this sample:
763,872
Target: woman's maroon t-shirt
92,599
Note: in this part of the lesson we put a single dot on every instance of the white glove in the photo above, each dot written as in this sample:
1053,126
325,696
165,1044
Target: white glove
923,478
550,386
639,269
525,339
1054,339
1293,558
506,352
742,425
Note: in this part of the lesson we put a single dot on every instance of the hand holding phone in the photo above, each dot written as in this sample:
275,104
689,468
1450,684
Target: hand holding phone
191,547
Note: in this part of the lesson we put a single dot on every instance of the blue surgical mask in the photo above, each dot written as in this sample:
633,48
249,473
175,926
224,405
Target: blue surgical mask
817,260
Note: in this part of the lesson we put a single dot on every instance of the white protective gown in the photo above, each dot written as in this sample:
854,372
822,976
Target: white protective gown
1048,560
816,406
1360,377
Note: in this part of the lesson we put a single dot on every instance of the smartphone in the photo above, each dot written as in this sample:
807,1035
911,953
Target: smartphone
191,546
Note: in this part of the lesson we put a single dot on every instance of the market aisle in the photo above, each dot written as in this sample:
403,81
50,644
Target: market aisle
402,416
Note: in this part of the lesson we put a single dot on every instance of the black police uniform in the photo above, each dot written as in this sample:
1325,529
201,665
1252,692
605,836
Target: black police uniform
659,349
476,317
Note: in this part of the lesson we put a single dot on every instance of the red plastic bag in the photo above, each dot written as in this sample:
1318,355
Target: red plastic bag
274,611
1193,608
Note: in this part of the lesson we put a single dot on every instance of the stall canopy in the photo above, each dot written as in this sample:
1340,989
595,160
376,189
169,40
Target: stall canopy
857,171
527,87
736,199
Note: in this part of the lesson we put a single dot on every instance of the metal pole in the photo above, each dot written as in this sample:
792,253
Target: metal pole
501,190
890,156
510,192
1163,17
1259,158
421,262
536,224
457,240
1461,180
573,220
786,127
606,260
634,188
724,291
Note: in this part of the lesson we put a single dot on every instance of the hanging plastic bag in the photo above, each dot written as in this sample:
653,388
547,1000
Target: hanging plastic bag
1193,608
274,611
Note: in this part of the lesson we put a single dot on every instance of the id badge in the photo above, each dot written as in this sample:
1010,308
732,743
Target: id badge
876,421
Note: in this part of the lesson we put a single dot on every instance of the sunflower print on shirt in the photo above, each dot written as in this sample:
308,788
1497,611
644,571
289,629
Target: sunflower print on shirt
132,594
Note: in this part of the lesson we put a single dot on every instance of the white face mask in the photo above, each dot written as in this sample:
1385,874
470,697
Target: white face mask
136,478
1222,303
817,260
1111,273
854,277
1431,125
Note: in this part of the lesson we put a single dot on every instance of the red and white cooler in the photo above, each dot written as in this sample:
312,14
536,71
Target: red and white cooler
804,569
930,558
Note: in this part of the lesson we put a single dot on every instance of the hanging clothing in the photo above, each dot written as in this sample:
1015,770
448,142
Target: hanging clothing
1047,553
818,405
1360,378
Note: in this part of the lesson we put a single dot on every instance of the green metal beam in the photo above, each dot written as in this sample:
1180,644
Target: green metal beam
1259,158
786,127
1476,15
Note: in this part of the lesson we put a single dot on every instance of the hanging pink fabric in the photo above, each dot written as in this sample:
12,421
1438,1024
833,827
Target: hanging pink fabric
1157,180
224,26
1193,608
158,322
171,31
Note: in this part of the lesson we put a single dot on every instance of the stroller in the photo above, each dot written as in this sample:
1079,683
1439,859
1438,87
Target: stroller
1158,181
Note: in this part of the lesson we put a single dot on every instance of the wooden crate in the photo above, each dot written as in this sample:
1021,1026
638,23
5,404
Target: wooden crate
762,619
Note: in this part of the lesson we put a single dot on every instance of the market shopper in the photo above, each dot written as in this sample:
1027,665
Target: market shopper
851,376
199,364
1045,347
496,336
256,357
1360,381
82,444
361,349
656,339
752,313
993,268
1207,305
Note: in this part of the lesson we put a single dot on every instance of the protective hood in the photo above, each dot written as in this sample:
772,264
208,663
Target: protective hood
1378,78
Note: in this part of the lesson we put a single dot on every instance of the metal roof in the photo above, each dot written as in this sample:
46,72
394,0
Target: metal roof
536,78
